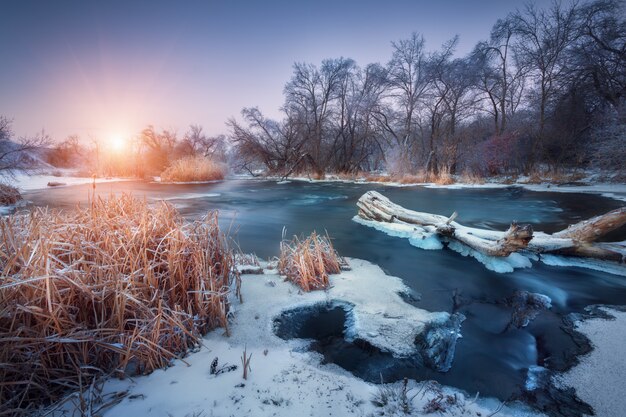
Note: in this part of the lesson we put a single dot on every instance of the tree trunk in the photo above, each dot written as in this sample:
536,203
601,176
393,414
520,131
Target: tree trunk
576,240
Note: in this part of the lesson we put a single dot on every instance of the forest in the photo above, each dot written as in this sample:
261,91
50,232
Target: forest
546,89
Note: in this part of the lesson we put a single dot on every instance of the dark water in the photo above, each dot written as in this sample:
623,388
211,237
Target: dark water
489,358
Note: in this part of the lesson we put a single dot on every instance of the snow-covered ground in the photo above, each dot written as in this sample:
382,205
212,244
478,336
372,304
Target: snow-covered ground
287,380
599,378
25,182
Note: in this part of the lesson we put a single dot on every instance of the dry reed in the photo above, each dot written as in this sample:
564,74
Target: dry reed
193,168
8,195
308,262
119,287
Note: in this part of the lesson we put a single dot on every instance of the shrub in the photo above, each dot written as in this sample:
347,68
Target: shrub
193,168
307,263
9,195
116,287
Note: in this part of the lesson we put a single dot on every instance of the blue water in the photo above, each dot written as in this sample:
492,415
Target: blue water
488,358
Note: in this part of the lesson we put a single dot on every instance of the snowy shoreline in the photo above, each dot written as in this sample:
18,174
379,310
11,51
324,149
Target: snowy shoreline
286,379
25,182
616,191
599,377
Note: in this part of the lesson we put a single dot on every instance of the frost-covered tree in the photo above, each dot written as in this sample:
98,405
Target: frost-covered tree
19,153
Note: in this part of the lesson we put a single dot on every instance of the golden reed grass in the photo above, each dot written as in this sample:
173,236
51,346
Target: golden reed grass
119,287
8,195
307,263
193,168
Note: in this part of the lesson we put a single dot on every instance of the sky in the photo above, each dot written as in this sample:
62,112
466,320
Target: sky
110,68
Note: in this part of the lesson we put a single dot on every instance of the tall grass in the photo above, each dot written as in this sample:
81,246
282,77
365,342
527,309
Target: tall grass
193,168
308,262
118,287
9,195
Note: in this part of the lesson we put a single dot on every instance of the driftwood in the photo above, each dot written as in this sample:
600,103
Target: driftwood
577,240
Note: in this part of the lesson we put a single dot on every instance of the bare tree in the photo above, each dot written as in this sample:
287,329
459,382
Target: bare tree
275,145
408,82
600,54
198,143
309,96
542,41
158,147
452,98
18,154
500,74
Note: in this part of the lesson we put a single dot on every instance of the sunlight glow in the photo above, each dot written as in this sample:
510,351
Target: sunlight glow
118,142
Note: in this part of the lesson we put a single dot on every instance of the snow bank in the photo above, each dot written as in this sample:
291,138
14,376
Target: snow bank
24,182
599,378
286,380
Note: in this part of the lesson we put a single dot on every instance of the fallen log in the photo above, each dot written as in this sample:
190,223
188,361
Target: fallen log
577,240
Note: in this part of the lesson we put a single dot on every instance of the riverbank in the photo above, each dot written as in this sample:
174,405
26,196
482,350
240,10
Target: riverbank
589,185
285,379
599,378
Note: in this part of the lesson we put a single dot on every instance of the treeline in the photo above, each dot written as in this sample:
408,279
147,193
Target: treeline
147,154
545,90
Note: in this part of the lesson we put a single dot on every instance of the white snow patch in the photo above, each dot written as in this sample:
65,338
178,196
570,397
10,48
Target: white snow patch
599,378
24,182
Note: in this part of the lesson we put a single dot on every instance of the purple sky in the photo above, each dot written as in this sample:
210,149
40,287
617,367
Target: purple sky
113,67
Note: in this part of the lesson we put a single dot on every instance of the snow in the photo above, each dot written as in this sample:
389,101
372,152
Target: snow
609,190
24,182
423,239
417,237
603,266
285,379
599,378
500,265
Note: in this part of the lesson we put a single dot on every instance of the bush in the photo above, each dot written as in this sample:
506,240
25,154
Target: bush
116,287
193,168
307,263
9,195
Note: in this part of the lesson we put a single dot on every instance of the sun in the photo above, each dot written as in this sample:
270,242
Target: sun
118,142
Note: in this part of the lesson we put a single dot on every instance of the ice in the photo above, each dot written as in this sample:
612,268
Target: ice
602,266
426,241
537,377
423,239
500,265
189,196
418,237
